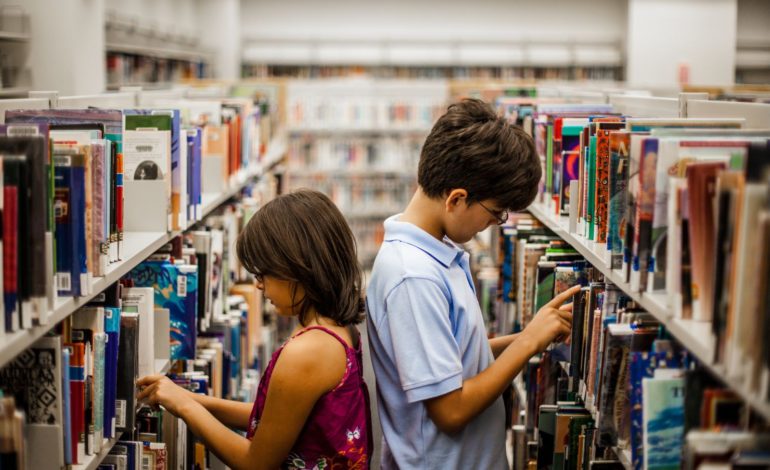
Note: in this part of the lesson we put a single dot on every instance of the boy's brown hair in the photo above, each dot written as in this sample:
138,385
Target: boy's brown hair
472,148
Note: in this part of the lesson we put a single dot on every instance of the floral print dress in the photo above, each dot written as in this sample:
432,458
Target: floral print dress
337,432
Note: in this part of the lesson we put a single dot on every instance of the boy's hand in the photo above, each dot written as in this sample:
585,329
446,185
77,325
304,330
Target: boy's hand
553,321
160,390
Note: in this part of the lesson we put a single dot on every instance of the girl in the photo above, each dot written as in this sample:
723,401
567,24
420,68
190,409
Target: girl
312,406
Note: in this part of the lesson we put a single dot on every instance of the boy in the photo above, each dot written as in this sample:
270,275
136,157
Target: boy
439,379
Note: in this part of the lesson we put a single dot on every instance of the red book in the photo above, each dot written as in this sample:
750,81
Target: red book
602,183
10,252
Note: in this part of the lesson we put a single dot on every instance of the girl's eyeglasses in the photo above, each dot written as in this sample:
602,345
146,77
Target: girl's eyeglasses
500,215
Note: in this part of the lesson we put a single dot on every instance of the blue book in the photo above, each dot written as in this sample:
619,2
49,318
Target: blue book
663,422
69,210
191,170
173,292
66,403
112,329
197,186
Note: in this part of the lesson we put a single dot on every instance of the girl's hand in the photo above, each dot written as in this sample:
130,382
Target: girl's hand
160,390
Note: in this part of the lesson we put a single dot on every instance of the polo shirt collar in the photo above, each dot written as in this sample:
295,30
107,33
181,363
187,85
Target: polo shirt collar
444,252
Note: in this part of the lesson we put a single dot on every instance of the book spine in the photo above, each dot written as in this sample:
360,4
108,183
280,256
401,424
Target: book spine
602,184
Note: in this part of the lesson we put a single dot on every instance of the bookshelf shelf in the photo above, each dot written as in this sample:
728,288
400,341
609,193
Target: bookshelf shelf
159,52
696,336
92,461
136,247
13,36
14,91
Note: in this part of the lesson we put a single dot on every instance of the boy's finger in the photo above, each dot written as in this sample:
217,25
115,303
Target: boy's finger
565,315
563,297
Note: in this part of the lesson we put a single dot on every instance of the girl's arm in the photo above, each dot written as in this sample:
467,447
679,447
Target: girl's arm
233,414
307,368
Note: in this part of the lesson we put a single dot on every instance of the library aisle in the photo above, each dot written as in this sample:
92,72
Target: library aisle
136,147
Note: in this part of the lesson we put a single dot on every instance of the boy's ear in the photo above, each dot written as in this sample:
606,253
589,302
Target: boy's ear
455,197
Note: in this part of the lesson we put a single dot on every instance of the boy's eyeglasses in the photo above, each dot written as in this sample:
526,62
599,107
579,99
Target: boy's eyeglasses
259,277
500,215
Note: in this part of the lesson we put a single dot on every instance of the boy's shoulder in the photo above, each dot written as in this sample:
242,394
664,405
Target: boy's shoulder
398,261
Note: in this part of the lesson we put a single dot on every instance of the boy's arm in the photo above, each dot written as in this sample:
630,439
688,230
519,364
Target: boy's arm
451,412
499,343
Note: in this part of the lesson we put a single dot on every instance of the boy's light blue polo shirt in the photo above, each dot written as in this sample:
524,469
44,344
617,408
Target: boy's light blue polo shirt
427,335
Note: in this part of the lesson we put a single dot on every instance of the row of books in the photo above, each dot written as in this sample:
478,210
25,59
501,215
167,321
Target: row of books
367,112
133,69
362,196
181,305
679,206
369,233
435,72
620,385
75,180
341,154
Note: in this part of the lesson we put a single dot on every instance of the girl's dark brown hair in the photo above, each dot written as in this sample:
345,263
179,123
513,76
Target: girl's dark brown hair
302,237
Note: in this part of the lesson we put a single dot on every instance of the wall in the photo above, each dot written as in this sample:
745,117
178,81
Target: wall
356,30
220,31
62,57
662,34
177,16
754,20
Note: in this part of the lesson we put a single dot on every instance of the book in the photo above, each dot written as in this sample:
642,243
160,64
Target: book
139,300
70,211
701,184
112,330
34,379
663,422
110,119
128,364
32,207
176,289
645,207
618,180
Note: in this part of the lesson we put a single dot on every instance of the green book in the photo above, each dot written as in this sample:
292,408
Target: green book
591,196
545,282
160,122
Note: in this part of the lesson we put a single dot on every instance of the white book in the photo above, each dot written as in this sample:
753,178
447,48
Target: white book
674,245
184,195
140,300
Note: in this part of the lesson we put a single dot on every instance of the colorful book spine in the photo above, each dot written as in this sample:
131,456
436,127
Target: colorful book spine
67,407
100,343
645,208
11,242
602,184
591,189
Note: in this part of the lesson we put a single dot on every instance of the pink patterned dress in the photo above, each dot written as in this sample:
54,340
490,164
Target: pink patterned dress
337,432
